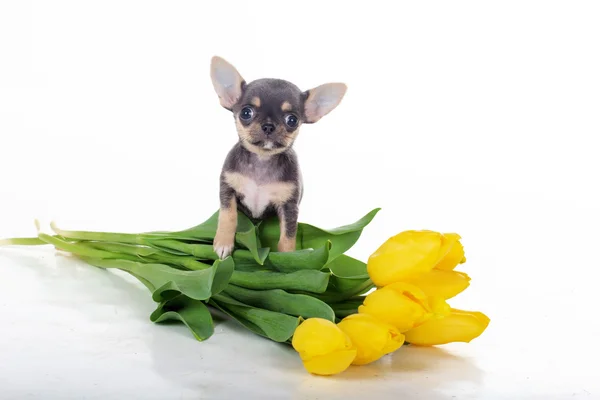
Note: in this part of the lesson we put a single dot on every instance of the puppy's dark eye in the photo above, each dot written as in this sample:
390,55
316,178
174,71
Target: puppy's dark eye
246,114
291,120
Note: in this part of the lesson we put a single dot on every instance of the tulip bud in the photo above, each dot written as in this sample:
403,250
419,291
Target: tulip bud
372,338
323,347
458,326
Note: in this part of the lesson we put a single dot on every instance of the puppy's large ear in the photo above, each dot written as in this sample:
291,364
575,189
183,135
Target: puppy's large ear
321,100
227,82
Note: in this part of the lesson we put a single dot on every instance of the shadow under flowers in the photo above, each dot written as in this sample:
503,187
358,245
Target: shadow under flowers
416,358
410,373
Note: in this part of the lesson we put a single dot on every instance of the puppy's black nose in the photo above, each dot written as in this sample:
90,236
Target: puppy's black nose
268,128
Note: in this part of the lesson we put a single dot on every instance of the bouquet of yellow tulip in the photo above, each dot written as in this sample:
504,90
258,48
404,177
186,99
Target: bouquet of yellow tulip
414,274
315,298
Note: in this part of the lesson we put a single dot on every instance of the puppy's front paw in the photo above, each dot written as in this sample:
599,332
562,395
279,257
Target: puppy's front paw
286,244
223,246
223,250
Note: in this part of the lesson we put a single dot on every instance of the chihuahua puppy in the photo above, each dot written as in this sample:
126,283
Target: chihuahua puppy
261,176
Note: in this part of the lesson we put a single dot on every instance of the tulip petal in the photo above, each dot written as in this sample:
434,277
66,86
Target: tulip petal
481,317
318,336
397,340
407,254
400,304
452,252
330,364
445,284
459,326
413,292
448,240
371,337
439,307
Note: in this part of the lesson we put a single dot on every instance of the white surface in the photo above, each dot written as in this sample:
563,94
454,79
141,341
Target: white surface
475,117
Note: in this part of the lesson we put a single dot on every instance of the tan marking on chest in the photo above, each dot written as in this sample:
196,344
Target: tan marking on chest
257,196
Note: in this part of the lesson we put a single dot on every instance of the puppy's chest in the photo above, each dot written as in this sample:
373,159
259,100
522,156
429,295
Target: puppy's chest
257,192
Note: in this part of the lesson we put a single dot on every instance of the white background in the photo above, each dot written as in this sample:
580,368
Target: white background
474,117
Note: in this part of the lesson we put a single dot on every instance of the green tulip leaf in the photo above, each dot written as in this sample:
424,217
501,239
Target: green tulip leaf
311,237
223,271
305,259
347,267
148,285
168,281
270,324
247,236
244,258
345,285
349,277
278,300
204,231
193,313
305,280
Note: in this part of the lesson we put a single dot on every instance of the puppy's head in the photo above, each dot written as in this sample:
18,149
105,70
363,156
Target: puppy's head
269,112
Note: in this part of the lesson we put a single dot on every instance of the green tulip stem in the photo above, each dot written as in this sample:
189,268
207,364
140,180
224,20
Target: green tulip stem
33,241
81,250
202,251
128,238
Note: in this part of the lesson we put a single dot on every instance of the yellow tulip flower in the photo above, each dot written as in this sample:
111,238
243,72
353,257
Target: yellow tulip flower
405,255
323,347
459,326
410,254
402,305
441,283
372,338
452,252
